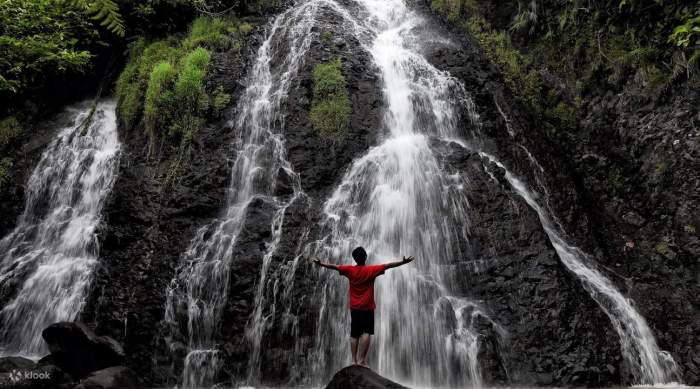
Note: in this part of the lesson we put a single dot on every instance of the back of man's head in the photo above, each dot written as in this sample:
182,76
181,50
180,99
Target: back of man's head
359,255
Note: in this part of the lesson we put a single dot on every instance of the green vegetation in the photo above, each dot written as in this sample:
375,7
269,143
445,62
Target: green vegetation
220,100
662,248
163,85
41,40
615,180
106,12
639,46
330,109
5,166
10,129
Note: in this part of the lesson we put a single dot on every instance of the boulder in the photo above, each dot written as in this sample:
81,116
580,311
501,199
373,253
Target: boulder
78,351
13,363
115,377
358,377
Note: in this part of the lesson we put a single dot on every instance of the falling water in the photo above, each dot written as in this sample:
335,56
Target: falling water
51,253
198,292
647,362
397,200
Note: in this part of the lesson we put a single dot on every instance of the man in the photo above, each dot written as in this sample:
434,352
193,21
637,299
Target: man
361,299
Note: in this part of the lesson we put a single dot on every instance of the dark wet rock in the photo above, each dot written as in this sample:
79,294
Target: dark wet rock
115,377
357,377
11,363
78,351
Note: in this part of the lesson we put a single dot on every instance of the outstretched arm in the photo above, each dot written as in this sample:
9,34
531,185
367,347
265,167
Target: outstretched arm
399,263
318,262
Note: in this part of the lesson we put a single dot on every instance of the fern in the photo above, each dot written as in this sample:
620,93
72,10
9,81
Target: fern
106,12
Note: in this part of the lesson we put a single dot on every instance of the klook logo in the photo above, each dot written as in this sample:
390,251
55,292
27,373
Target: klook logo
17,375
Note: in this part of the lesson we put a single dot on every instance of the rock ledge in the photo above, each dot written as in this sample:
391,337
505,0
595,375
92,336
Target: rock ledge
357,377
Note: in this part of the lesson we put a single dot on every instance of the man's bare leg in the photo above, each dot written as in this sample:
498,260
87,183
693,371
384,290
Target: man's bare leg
353,350
363,350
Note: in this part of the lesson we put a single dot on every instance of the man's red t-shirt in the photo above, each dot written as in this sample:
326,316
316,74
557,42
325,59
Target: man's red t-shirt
362,284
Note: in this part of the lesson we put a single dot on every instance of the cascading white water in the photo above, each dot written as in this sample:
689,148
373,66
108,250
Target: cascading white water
395,200
51,253
648,363
198,292
398,200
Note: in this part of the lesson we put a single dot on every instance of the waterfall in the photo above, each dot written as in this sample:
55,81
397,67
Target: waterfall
50,255
198,292
647,362
397,200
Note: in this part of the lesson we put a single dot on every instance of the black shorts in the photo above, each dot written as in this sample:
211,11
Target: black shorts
361,322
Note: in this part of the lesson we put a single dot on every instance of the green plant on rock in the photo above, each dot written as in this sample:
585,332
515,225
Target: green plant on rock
158,100
615,180
5,166
220,100
688,33
190,94
134,79
662,248
208,32
10,129
245,28
330,109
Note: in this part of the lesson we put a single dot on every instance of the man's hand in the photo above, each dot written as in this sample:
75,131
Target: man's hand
316,261
403,261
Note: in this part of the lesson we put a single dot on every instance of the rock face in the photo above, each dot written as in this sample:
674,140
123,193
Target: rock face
78,351
357,377
115,377
555,334
12,363
624,188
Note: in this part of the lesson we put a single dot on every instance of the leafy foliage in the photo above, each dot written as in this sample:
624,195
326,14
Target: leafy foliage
158,93
5,166
330,109
163,84
10,129
41,40
106,12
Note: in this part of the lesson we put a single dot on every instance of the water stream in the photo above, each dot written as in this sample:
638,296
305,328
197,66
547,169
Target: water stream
648,363
50,256
396,199
199,291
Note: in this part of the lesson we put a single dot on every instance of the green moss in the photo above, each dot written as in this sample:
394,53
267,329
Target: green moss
158,94
5,166
451,9
660,167
190,94
220,100
189,86
330,110
615,180
134,79
326,38
662,248
10,129
689,228
245,28
163,87
210,33
565,114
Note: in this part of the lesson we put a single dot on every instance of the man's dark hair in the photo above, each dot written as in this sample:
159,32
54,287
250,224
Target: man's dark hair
359,255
